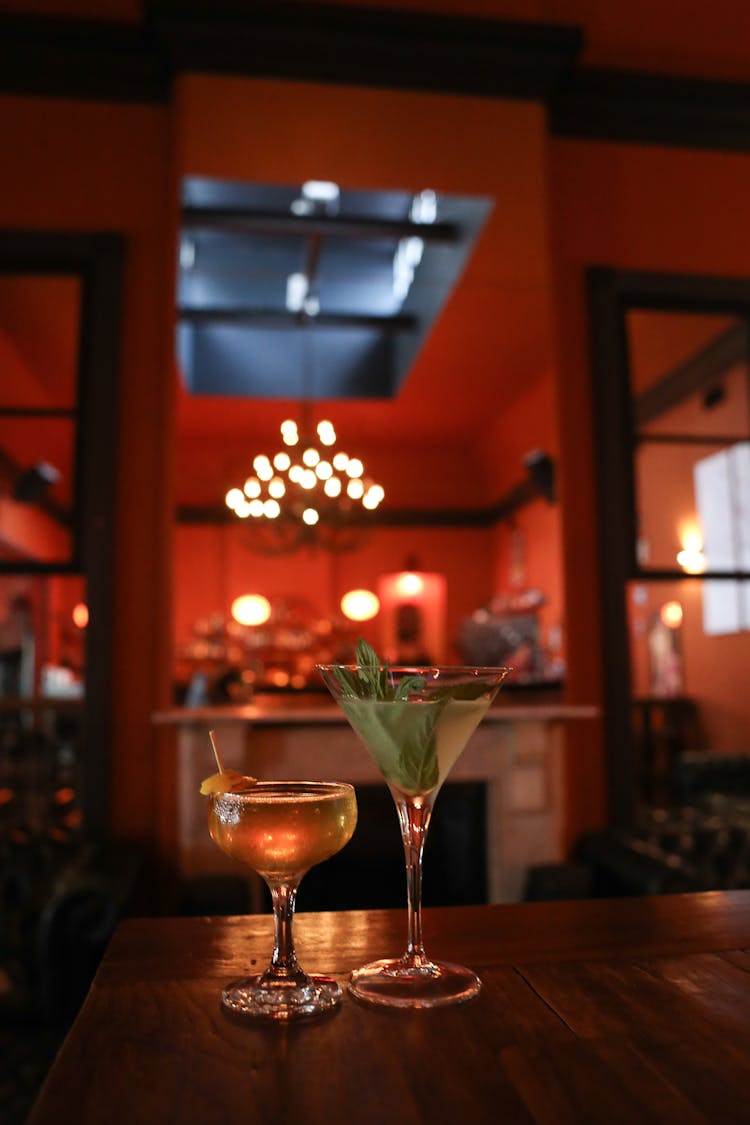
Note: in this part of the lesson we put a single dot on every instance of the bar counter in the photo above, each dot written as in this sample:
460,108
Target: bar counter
625,1011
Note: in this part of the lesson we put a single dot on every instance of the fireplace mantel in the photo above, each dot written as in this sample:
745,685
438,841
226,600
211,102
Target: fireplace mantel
517,752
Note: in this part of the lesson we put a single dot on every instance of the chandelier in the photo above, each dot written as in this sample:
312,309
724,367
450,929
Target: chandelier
307,491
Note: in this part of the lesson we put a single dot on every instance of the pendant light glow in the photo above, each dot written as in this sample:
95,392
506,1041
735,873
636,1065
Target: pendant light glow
251,609
360,605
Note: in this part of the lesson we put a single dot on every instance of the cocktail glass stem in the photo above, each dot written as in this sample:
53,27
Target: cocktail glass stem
284,965
414,816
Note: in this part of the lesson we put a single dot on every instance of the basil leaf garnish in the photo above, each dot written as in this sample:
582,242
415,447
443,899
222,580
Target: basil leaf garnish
399,731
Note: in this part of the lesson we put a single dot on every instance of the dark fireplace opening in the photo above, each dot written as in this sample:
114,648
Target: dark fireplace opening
369,872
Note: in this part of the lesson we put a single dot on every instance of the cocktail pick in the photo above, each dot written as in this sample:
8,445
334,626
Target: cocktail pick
215,748
225,781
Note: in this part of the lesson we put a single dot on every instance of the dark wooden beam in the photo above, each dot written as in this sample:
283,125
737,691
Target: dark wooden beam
279,318
71,58
616,526
111,60
370,47
439,517
705,366
488,516
619,105
243,221
367,46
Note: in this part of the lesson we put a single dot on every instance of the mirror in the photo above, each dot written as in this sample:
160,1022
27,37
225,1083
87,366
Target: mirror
39,353
673,420
60,299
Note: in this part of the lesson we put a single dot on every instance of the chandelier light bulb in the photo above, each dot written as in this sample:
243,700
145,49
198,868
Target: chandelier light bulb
290,437
285,490
326,433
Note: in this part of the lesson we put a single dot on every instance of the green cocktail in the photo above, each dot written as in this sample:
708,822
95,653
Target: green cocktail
415,722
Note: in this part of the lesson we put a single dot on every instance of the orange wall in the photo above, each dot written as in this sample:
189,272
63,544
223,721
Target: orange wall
526,424
99,167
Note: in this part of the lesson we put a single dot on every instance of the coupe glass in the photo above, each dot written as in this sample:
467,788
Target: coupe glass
281,829
415,722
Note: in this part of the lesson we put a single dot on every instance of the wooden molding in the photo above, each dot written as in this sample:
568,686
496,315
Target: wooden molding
308,42
107,60
368,47
625,106
71,58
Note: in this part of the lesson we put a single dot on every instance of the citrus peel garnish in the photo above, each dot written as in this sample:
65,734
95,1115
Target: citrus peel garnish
227,781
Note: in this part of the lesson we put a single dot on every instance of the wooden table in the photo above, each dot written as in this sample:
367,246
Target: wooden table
636,1010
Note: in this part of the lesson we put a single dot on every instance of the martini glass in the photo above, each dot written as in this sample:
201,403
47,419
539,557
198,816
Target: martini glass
281,829
415,722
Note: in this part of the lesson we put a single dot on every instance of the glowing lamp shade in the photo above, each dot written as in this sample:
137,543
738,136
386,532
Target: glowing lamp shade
251,609
671,615
360,605
80,615
409,584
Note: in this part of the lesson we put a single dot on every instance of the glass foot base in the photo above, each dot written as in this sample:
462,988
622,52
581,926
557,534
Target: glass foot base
255,998
395,984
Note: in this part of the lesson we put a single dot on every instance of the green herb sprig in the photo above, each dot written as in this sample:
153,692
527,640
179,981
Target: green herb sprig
371,679
400,736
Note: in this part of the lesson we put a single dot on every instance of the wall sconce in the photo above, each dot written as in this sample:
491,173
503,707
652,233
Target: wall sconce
691,557
80,615
251,609
360,605
413,615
